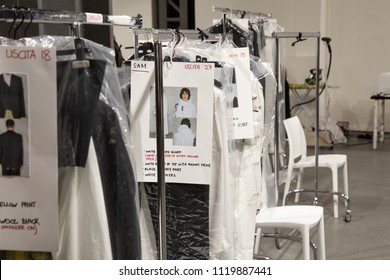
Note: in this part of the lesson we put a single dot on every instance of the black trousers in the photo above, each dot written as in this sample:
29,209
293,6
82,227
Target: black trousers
11,171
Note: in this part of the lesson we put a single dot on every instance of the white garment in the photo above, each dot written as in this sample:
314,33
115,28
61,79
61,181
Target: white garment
185,109
7,78
148,238
249,186
183,136
84,233
222,187
154,112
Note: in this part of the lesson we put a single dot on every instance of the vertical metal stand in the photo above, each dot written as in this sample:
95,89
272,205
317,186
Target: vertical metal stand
160,149
317,143
300,35
316,190
276,124
136,42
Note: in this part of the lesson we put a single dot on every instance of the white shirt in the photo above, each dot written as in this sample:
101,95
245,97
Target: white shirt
7,78
185,109
183,136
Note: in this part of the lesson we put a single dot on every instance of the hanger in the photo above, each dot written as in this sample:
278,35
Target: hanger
298,39
20,9
80,50
29,23
13,22
203,36
179,37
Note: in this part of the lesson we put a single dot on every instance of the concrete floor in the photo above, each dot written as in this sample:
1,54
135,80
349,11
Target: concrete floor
367,235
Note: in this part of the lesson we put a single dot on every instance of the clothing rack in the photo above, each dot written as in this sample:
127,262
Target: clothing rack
241,13
162,35
299,36
168,35
21,14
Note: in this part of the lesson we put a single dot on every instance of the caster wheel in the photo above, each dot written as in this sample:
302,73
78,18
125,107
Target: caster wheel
347,217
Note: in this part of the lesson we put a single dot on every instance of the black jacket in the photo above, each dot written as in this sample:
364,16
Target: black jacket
11,150
12,97
83,115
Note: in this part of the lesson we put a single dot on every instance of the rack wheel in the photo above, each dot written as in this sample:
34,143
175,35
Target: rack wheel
347,217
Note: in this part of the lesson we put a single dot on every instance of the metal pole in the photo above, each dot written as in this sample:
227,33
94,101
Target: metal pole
136,42
224,28
160,149
276,149
317,144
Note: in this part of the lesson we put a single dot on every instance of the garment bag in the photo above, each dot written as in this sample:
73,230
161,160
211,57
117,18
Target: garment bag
98,194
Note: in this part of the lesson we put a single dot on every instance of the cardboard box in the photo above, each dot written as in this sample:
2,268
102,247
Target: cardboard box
325,138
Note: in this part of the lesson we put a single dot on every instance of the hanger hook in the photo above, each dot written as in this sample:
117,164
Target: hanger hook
21,10
13,22
298,39
29,23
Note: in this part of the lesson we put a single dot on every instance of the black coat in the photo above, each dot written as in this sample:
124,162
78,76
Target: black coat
82,115
12,97
11,150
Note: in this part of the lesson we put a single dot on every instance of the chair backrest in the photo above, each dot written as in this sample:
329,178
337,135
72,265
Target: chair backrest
384,82
296,138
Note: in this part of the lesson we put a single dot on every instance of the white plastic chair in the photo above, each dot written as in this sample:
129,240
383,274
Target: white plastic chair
298,159
303,218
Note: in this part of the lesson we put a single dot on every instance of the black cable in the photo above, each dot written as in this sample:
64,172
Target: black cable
327,41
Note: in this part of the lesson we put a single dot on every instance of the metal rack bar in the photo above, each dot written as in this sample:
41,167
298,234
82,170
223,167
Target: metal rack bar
162,34
17,14
241,12
167,35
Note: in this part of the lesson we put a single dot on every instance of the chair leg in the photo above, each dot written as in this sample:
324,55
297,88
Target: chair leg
299,184
375,131
287,185
345,177
257,241
382,121
335,189
321,236
306,242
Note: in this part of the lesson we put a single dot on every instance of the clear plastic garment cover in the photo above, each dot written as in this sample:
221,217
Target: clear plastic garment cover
202,222
98,197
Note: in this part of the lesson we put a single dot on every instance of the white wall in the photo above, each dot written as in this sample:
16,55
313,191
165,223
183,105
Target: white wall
361,40
130,8
360,43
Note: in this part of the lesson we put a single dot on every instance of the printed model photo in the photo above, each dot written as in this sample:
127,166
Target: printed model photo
184,135
11,150
14,135
185,108
180,115
12,103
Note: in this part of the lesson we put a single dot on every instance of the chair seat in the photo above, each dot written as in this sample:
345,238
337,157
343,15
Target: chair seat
290,216
323,161
300,217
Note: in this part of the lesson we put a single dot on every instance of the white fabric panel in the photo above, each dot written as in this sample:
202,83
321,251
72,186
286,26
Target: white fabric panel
222,187
84,233
249,184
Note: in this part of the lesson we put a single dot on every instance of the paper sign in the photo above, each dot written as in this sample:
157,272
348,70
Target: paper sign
28,149
188,121
242,102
